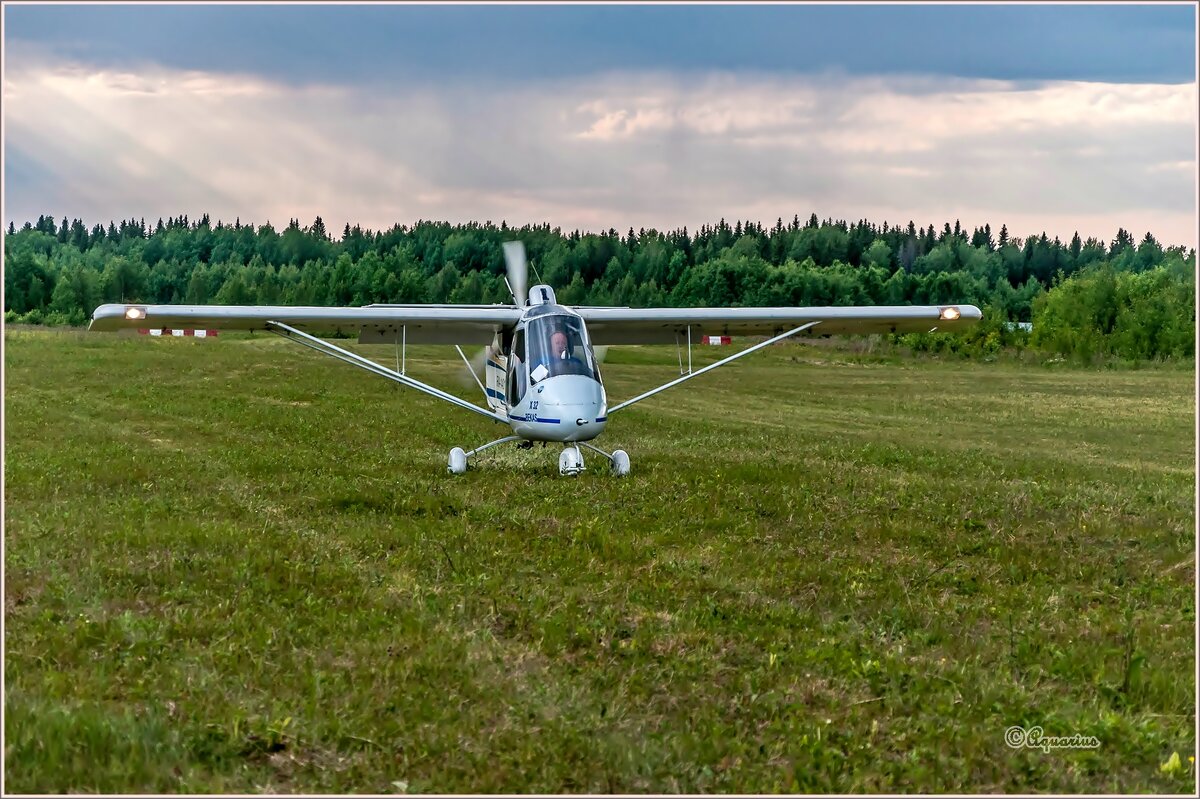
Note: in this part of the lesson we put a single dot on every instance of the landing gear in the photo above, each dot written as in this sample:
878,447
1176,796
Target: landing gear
619,460
458,458
570,462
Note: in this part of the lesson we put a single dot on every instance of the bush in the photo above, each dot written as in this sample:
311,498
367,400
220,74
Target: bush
56,319
1132,315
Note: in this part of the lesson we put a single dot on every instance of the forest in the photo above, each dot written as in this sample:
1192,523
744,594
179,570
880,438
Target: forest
1087,299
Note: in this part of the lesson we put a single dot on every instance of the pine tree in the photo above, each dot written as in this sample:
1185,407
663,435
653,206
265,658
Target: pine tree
1003,240
1123,241
79,235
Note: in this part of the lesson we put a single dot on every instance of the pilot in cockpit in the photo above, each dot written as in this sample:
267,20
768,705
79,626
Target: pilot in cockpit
557,358
558,345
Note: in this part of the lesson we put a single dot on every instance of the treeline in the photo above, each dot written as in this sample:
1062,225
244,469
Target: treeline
58,273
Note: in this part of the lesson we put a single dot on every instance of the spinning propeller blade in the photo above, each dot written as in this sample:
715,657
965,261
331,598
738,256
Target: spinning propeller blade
477,364
518,271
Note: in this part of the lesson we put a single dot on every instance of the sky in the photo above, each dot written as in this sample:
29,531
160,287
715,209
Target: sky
1045,118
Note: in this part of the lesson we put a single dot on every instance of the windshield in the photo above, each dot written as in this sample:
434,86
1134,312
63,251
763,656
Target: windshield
557,346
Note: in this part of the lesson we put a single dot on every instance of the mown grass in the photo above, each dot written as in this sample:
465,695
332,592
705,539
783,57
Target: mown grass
232,565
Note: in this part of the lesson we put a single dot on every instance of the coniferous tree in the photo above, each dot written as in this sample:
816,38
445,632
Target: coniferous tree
318,229
1122,242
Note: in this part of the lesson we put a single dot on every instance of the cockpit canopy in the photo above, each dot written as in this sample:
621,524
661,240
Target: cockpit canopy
553,342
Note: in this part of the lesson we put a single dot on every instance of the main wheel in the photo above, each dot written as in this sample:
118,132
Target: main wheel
620,463
458,461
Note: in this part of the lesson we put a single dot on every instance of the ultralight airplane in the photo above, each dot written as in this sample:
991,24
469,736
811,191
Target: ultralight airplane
541,373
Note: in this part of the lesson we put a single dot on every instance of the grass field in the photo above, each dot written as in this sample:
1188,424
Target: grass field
232,565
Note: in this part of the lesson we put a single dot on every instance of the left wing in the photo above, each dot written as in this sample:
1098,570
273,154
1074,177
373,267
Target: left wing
422,324
668,325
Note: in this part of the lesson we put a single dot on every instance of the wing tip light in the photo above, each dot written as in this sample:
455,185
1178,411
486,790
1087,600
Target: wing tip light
116,316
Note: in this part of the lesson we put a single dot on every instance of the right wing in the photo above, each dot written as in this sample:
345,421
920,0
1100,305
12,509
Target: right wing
421,324
669,325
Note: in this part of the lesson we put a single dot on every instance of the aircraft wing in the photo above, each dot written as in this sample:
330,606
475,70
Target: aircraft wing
422,324
662,325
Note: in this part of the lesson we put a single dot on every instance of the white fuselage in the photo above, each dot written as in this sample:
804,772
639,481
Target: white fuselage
563,408
554,391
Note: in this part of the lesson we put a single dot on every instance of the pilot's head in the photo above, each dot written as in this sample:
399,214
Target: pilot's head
558,343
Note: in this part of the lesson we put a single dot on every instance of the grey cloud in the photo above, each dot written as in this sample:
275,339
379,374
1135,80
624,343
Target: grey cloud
620,150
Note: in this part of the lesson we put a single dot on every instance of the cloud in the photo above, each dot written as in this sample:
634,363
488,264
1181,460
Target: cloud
634,149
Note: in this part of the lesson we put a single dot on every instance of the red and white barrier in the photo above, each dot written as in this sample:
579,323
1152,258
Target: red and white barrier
717,339
166,331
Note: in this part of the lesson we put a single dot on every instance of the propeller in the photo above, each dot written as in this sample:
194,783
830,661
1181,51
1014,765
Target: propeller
518,271
476,364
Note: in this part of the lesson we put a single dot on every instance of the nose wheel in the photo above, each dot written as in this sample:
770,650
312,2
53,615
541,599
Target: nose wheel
570,462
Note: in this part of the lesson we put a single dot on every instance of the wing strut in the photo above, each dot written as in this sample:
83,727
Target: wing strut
324,347
710,367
